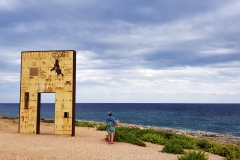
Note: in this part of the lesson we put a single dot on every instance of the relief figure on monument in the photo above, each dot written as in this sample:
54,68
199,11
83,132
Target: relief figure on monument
57,68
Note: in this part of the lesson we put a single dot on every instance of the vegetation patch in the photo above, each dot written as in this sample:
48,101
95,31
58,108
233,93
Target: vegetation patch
194,155
122,135
174,148
8,117
102,127
230,152
154,138
184,141
45,120
174,143
85,124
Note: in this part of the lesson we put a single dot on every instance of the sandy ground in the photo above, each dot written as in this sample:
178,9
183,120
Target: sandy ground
87,144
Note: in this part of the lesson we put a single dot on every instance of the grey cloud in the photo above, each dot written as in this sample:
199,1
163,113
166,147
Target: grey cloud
116,40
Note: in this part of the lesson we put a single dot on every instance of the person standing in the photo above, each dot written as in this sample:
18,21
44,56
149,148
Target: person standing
111,123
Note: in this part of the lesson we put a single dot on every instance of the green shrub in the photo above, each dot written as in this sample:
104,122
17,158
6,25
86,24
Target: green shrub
123,136
142,132
168,135
185,141
133,130
193,155
230,152
202,143
8,117
173,148
47,120
85,124
153,138
233,152
102,127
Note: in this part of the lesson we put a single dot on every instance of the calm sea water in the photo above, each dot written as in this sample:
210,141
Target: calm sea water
220,118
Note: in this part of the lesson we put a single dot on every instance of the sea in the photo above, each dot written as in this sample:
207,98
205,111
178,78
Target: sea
218,118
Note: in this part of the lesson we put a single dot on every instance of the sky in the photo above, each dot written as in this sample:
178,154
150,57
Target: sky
129,51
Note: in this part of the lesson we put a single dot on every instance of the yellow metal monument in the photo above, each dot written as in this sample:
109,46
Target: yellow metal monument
48,72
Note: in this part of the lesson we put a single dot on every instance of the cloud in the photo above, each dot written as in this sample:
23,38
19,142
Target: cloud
8,5
131,51
146,84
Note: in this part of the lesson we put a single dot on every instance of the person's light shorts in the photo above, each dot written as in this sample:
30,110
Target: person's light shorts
110,130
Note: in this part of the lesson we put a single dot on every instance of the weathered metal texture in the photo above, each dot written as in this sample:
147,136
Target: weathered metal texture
48,72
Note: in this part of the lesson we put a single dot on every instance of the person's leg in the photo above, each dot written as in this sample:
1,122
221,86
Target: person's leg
112,137
109,138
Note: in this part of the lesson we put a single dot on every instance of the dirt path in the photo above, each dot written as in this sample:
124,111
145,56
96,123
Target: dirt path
87,144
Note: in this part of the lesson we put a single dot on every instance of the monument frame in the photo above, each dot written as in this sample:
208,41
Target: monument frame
48,72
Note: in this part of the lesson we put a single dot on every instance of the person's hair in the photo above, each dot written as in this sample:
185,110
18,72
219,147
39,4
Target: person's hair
110,113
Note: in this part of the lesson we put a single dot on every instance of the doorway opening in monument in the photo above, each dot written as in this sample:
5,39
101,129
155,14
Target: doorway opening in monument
47,113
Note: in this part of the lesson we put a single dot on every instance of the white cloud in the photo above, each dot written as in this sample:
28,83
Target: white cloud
151,82
217,51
